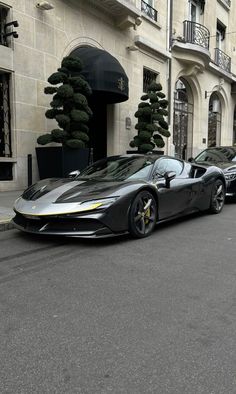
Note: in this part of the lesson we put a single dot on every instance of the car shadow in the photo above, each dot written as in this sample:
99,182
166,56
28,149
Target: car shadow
40,239
124,238
230,200
100,242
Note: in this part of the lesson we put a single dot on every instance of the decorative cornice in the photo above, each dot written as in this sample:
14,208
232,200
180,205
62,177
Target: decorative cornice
151,46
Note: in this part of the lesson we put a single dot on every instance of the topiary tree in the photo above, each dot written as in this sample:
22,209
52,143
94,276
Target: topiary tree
69,105
151,125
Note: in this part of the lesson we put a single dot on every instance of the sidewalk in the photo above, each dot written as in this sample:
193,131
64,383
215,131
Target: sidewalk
6,208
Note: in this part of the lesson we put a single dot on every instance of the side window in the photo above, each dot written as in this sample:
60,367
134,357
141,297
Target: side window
175,165
161,167
165,165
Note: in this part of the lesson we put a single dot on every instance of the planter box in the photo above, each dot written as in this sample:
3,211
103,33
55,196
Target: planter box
58,161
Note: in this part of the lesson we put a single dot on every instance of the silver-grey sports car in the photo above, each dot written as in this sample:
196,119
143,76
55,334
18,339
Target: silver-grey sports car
120,194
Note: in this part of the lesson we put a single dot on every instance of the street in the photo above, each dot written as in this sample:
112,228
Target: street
156,315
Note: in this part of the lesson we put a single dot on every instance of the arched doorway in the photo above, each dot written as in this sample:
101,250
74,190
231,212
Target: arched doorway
109,84
183,120
214,121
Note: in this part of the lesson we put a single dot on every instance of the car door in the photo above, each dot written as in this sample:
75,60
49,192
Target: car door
176,198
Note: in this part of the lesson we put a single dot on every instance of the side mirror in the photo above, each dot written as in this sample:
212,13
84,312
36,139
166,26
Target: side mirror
191,160
169,175
73,174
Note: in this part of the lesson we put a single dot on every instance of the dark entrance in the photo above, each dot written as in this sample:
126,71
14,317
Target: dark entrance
182,128
98,130
109,84
214,121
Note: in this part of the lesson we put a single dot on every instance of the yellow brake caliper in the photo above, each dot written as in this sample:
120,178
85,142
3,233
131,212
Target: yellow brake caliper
147,212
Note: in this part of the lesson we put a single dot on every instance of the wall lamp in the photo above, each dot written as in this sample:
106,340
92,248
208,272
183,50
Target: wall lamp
13,23
44,6
11,33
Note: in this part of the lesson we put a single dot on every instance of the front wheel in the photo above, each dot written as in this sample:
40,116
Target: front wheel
217,197
142,215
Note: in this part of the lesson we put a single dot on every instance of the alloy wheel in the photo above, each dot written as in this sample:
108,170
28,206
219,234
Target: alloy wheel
218,197
143,215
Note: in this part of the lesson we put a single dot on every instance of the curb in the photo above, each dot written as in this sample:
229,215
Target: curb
6,225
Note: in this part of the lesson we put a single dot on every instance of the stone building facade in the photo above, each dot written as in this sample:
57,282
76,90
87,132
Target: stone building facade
188,46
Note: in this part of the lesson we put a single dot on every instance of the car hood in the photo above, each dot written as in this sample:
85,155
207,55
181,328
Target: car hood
70,191
225,166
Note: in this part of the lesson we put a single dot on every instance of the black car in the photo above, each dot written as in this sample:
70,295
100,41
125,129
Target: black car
120,194
223,157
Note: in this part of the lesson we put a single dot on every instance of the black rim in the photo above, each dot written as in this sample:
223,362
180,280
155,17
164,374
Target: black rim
144,214
218,197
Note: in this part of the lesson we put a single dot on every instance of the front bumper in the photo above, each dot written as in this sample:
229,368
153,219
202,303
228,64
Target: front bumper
231,188
84,226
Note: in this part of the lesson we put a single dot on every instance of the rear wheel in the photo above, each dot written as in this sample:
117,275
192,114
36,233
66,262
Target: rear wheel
217,197
143,215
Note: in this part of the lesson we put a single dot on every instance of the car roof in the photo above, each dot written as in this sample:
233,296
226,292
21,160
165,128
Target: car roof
220,147
148,155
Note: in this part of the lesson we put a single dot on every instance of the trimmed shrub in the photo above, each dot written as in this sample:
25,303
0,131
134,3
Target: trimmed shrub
151,125
69,106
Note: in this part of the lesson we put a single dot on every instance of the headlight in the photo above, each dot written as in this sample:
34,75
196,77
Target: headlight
95,204
230,176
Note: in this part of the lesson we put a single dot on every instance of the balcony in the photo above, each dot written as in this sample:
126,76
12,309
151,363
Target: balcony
149,10
222,60
196,34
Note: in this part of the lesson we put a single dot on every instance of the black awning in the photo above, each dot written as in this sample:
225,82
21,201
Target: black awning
104,73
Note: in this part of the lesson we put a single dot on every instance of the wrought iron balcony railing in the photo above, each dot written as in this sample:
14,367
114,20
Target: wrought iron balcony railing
222,60
197,34
149,10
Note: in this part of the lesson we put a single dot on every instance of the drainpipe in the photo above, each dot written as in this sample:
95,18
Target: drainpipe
169,46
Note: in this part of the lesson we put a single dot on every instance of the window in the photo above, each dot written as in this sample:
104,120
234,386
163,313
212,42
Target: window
147,7
217,155
220,35
214,121
148,77
194,11
5,132
3,18
165,165
118,168
175,165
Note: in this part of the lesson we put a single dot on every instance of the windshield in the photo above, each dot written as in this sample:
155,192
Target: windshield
118,168
217,155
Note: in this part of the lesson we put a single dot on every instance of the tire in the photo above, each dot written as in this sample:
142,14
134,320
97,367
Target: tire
142,215
217,197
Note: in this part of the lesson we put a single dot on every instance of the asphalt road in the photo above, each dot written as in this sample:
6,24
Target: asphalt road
121,316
